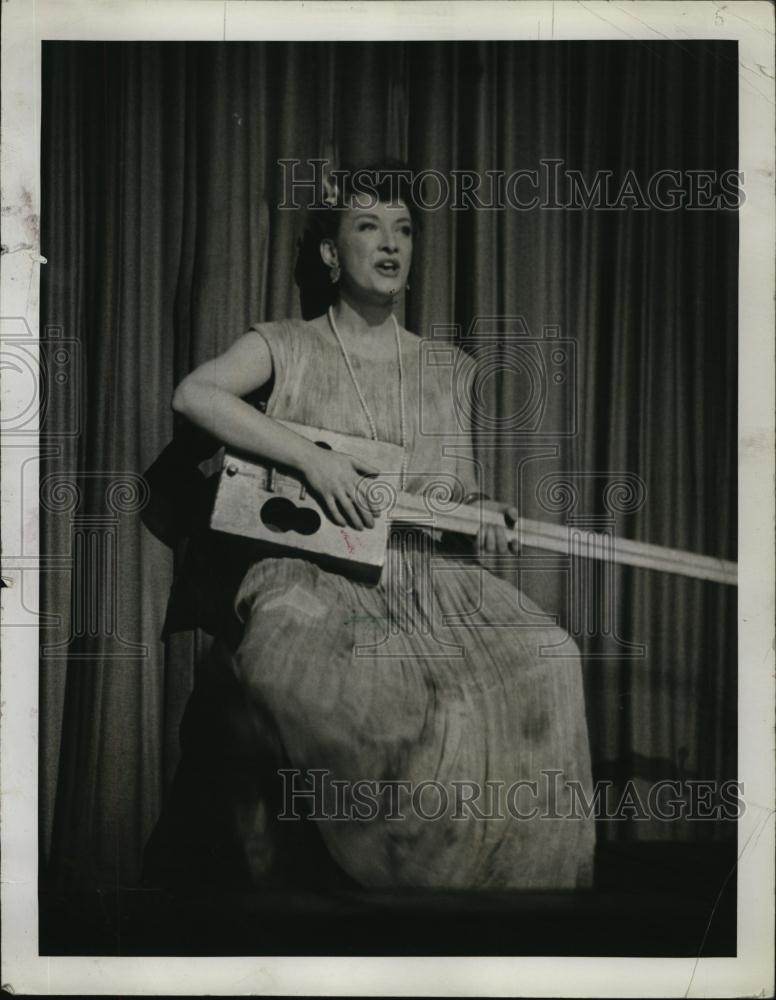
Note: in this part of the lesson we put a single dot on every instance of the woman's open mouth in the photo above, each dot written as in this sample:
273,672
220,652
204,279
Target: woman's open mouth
390,268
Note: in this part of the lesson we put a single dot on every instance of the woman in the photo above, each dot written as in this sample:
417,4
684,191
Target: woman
422,711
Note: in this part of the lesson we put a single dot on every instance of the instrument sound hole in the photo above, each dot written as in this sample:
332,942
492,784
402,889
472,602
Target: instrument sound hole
322,444
281,514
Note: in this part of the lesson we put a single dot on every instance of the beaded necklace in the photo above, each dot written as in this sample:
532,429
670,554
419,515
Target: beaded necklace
359,393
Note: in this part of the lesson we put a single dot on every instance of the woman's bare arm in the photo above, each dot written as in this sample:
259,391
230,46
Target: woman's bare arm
210,397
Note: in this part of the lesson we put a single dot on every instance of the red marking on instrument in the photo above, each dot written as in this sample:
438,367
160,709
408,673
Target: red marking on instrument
350,545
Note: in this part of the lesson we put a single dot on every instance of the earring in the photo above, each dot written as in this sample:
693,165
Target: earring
334,273
407,287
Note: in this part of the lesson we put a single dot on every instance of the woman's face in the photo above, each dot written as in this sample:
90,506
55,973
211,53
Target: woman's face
373,248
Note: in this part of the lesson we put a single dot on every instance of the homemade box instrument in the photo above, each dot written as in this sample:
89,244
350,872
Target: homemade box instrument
272,507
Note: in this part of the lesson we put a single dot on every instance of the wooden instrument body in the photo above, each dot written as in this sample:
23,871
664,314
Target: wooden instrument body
272,506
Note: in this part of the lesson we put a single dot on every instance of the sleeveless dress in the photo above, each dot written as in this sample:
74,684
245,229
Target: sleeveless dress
461,751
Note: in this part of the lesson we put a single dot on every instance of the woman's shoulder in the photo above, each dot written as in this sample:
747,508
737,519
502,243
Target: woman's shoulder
287,335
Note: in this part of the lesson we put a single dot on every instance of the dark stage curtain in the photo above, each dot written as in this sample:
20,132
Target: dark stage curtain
164,242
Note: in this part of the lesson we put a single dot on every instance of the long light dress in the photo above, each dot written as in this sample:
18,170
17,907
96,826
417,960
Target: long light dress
438,678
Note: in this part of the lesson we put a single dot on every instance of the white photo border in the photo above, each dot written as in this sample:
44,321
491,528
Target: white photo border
751,23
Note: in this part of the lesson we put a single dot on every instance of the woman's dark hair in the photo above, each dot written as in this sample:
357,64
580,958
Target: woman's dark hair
387,181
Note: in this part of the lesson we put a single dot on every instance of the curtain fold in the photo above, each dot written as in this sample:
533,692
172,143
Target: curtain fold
164,241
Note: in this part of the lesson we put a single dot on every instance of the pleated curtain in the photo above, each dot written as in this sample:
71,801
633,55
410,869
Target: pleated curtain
164,240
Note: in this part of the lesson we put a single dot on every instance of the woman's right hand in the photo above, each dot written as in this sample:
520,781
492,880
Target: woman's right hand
333,477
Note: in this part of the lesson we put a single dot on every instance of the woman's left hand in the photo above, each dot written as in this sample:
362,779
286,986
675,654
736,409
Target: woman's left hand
492,539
